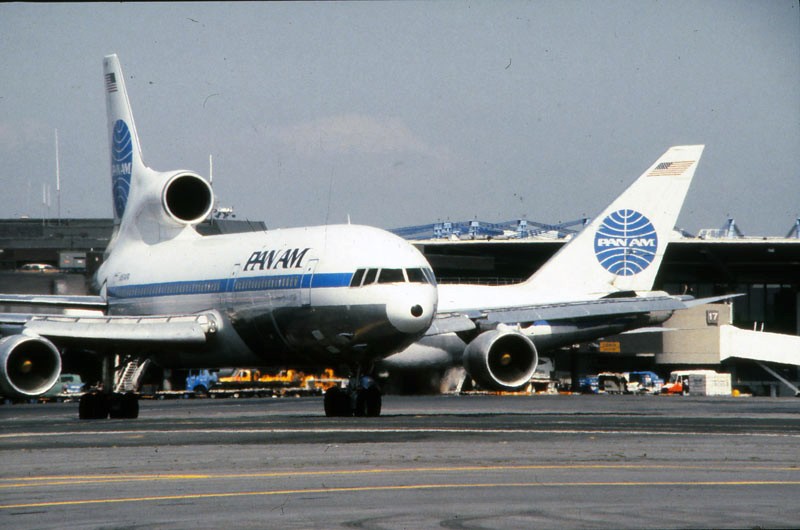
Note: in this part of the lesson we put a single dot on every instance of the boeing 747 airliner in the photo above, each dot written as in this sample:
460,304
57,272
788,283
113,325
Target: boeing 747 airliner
599,284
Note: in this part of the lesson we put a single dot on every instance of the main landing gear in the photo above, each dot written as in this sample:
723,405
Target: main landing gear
362,397
99,404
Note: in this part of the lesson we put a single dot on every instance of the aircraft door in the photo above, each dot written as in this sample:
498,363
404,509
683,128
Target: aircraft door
229,293
305,283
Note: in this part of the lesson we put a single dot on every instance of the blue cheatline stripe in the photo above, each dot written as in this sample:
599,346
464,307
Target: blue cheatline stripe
333,279
217,286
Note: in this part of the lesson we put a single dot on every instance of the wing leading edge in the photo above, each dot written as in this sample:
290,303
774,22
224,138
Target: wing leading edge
52,302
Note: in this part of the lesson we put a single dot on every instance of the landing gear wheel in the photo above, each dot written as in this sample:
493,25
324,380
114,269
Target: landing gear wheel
93,406
337,403
368,402
124,406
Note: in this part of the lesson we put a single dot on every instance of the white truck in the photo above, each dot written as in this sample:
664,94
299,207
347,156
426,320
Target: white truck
698,383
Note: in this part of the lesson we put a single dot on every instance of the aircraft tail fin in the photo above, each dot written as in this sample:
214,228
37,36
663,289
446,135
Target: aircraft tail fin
149,206
126,152
622,248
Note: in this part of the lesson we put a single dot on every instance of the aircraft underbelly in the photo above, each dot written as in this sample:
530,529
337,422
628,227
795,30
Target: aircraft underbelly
275,329
316,335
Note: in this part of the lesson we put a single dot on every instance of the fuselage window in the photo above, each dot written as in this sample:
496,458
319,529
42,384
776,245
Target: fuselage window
370,277
357,277
391,276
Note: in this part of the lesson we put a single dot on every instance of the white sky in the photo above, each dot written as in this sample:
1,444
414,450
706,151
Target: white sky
407,113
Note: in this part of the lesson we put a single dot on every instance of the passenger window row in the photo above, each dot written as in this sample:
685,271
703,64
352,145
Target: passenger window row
257,284
169,289
370,276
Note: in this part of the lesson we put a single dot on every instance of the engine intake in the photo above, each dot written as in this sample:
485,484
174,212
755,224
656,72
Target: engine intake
187,198
29,366
501,359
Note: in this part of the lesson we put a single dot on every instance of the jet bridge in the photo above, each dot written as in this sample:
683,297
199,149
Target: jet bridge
761,347
703,337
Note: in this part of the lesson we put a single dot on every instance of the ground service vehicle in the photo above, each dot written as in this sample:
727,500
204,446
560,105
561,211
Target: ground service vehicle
678,382
644,382
589,384
200,381
245,382
613,383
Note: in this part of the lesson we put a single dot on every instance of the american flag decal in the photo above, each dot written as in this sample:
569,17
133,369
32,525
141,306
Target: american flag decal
666,169
111,83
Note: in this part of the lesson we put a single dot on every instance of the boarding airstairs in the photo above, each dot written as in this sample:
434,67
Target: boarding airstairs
130,376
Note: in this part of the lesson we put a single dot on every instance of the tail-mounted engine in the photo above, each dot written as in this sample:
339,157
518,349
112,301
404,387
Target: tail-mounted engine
501,359
29,366
187,198
165,205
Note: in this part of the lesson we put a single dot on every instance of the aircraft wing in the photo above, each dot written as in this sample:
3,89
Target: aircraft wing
93,331
55,301
451,323
584,309
568,311
99,329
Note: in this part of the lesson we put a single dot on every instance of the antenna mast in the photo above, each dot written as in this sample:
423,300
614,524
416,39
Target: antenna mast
58,182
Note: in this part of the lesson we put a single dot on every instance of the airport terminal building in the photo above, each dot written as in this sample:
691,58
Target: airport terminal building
716,262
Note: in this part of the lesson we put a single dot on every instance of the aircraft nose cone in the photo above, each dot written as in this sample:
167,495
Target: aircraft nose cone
412,311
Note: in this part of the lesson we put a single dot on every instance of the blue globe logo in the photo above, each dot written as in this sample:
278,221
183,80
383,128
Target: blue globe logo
121,162
626,243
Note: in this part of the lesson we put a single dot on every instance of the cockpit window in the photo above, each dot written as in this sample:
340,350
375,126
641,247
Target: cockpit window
416,276
429,274
369,276
357,277
372,274
391,276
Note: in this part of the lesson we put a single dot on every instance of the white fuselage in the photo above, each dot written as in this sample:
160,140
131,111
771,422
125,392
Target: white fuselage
284,296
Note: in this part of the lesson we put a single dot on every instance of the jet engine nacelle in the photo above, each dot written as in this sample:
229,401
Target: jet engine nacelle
501,359
29,366
163,204
187,198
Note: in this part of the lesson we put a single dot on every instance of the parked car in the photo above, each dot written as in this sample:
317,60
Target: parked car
67,387
38,267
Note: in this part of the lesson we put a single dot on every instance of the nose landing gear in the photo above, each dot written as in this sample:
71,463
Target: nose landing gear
361,398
